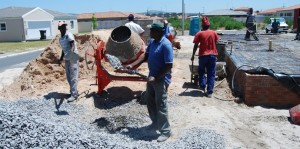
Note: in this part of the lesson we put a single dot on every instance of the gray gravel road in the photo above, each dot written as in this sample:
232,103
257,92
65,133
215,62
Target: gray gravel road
53,123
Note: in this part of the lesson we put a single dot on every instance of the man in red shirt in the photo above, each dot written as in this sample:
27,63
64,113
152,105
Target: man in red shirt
207,56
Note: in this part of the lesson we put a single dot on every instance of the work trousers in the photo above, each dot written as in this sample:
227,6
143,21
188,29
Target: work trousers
156,97
250,26
208,63
72,70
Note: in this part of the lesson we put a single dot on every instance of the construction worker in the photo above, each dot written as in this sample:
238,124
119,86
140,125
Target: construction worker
207,56
135,27
71,57
275,26
167,32
250,23
159,55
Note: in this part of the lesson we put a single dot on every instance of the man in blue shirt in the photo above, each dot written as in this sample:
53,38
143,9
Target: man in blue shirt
159,54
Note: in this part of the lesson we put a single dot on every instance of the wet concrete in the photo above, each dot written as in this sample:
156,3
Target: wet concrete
284,57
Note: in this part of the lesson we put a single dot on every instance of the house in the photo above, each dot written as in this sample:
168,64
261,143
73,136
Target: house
245,9
69,19
27,23
237,15
113,19
291,13
269,12
107,20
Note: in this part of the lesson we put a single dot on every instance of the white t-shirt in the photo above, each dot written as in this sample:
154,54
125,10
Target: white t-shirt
66,47
135,27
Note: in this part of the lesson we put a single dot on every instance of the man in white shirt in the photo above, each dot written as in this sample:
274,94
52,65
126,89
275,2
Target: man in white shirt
71,57
135,27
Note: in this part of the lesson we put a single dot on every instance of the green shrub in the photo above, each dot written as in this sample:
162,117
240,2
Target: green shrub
216,22
177,23
226,22
234,25
290,23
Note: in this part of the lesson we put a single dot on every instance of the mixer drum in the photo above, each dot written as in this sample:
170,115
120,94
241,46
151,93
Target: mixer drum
125,44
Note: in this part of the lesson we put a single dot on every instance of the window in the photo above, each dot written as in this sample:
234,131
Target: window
72,24
289,14
2,26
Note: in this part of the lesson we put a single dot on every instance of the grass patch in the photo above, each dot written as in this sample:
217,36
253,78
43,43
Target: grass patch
16,47
216,22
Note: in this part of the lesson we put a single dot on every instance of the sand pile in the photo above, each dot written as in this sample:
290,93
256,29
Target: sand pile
45,75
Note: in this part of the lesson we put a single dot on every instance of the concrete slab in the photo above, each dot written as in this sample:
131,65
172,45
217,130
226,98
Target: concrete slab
284,56
258,89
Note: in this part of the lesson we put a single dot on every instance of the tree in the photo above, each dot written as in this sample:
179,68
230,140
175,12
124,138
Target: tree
94,22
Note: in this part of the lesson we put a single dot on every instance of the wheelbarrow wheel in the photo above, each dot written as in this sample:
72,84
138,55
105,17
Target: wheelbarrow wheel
88,56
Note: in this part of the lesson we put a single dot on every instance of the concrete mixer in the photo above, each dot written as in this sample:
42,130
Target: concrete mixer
123,47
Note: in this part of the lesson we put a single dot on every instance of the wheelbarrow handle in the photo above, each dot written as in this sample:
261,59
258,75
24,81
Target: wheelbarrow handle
192,65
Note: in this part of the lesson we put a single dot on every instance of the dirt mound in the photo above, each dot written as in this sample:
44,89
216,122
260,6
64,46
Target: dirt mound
44,74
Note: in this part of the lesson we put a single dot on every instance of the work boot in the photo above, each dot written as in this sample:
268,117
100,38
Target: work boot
163,137
209,95
152,126
202,89
71,99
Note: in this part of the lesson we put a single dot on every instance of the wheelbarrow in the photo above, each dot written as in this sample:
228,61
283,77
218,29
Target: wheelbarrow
220,72
194,73
252,31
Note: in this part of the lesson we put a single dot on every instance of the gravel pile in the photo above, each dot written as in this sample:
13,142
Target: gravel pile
53,123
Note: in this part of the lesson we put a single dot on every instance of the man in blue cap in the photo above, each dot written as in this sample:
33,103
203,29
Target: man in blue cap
159,54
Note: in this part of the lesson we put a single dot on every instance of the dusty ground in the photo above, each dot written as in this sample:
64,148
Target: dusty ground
241,126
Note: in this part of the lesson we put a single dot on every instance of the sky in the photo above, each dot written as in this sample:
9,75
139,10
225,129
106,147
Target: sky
139,6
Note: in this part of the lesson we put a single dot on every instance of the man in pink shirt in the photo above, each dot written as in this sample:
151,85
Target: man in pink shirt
207,56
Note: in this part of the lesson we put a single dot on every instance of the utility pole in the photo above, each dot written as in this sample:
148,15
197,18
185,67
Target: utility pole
183,16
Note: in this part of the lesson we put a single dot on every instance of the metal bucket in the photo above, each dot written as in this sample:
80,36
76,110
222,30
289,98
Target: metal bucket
125,44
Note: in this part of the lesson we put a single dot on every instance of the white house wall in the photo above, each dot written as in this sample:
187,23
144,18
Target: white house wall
35,21
106,24
84,27
14,30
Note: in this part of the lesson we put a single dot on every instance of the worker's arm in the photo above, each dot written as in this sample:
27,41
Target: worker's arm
194,51
166,69
142,36
140,60
72,45
61,56
246,21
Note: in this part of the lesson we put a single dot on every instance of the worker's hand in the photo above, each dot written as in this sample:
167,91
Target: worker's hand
59,62
128,66
192,58
81,59
151,79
